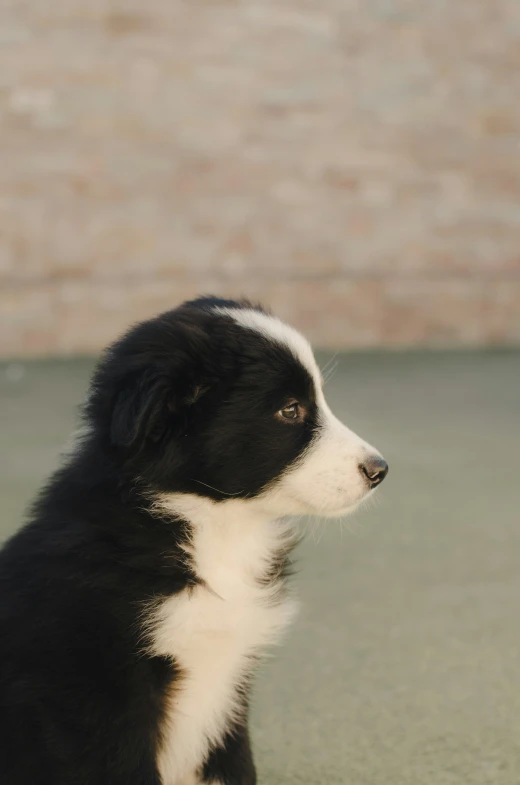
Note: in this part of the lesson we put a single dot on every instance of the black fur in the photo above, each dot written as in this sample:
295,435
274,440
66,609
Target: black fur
184,402
231,761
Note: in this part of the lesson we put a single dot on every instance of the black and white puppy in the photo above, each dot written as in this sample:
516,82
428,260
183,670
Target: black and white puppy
153,572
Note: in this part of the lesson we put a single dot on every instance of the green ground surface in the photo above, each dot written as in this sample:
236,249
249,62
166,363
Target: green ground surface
403,667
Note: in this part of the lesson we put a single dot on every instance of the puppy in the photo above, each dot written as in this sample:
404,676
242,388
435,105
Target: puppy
135,603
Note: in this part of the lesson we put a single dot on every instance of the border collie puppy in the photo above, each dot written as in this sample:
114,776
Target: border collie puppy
153,572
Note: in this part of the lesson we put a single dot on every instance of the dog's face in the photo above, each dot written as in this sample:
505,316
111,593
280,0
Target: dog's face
221,400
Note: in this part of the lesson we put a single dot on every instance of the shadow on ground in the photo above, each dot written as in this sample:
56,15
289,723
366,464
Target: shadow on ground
404,664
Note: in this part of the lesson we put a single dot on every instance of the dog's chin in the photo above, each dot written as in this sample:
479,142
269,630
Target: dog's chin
292,503
301,507
340,512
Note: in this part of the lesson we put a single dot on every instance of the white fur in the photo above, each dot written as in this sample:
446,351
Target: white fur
213,629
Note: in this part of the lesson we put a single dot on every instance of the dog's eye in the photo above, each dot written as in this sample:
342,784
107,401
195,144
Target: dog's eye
291,412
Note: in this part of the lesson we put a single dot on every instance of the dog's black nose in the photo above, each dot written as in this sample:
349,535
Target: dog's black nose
375,470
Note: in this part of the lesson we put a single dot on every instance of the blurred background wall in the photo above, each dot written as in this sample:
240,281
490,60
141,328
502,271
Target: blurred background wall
354,165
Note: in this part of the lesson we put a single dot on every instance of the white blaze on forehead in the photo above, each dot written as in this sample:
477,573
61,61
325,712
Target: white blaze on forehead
274,329
326,480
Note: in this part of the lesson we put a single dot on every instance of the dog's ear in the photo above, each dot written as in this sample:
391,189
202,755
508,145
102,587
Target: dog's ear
148,404
140,406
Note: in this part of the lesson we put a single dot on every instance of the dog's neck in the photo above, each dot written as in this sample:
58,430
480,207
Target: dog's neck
235,546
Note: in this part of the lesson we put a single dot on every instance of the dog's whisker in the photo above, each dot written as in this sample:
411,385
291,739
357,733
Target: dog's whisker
329,362
224,493
329,369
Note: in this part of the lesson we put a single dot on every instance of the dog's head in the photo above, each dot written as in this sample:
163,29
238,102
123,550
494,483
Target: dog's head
219,399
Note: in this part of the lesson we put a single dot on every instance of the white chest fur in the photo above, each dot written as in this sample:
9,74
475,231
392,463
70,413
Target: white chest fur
213,629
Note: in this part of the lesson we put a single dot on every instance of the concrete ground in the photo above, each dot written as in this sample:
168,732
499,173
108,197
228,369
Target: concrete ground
404,665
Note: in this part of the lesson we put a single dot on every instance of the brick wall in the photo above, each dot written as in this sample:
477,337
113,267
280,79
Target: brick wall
353,163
